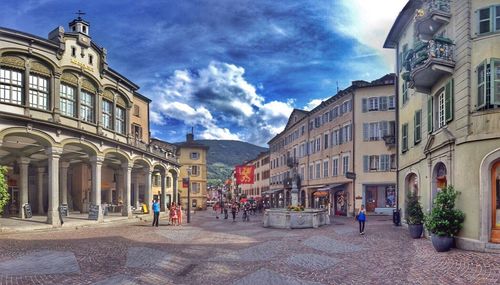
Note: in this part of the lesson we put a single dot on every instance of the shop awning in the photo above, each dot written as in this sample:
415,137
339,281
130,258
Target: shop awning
330,187
320,194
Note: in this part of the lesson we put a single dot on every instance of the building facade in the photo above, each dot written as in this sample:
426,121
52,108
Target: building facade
320,144
193,160
73,131
449,101
261,176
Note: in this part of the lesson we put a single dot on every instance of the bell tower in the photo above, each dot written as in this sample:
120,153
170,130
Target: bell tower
79,25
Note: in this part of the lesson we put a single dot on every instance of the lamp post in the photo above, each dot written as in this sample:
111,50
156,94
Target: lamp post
189,195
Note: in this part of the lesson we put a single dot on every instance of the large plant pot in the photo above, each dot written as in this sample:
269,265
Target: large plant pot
416,230
442,244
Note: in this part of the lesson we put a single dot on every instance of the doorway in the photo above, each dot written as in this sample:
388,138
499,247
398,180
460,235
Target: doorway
371,198
495,203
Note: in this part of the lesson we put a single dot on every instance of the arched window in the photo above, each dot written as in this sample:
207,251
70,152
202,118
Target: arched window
107,114
87,106
11,86
120,120
39,92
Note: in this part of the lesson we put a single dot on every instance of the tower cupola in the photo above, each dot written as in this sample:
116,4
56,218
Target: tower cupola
79,25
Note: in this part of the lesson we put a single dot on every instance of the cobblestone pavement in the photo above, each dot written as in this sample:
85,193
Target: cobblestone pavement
211,251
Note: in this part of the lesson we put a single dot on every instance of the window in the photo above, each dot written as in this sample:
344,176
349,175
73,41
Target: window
91,59
488,80
335,166
137,131
11,86
120,120
441,116
318,170
325,168
405,91
417,119
385,163
195,187
107,114
194,155
169,182
73,49
335,112
393,161
484,21
440,108
39,92
195,170
335,137
382,101
87,106
310,173
318,144
136,111
302,172
404,134
325,141
391,102
67,100
345,164
373,162
373,104
156,180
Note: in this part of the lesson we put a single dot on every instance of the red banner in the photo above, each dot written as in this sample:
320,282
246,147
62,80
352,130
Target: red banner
245,174
185,182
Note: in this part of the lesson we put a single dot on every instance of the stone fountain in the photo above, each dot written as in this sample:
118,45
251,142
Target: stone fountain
290,219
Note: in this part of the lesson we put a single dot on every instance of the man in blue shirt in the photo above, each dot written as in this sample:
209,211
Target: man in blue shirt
156,211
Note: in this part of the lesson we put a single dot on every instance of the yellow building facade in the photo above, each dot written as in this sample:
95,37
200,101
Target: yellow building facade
448,97
193,160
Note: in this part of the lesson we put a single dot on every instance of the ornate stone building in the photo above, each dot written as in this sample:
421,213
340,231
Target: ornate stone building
448,71
73,131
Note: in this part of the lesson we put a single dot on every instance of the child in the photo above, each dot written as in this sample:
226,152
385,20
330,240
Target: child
362,219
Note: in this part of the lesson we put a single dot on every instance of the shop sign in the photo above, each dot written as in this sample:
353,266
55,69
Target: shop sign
350,175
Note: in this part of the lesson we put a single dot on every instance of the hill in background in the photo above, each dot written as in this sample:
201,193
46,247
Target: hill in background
223,155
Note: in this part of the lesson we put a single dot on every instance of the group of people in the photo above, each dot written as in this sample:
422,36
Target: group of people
174,213
234,207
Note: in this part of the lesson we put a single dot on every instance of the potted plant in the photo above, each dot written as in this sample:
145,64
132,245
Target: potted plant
414,216
444,221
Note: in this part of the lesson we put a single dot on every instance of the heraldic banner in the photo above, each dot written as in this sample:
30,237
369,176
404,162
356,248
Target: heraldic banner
244,174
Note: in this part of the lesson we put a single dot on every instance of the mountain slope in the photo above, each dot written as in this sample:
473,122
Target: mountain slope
223,155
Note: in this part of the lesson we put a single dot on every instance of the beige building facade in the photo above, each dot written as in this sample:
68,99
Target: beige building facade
68,127
321,145
193,160
261,176
449,100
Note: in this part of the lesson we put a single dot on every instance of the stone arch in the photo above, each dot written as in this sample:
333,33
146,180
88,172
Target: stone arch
120,154
412,182
86,145
69,77
439,178
83,74
13,61
485,194
34,55
145,161
35,134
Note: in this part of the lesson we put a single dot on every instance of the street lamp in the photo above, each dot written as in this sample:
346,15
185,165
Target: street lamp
189,195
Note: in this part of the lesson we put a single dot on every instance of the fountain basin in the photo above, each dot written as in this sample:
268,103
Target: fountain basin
285,219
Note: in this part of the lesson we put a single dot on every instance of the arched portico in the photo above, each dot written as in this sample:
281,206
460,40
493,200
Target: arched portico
121,165
141,181
489,185
160,185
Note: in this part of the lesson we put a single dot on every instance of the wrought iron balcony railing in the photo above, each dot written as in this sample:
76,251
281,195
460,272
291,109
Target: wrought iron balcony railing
431,17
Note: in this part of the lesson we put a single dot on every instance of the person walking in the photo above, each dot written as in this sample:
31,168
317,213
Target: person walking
156,213
226,205
216,210
361,216
179,214
173,214
234,209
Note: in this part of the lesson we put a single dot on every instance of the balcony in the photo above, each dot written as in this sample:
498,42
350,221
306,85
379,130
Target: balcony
428,62
431,17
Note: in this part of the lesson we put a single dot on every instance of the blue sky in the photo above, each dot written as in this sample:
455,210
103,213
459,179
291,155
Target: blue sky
232,69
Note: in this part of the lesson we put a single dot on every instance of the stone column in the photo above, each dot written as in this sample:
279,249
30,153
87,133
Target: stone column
136,192
23,189
39,192
163,198
148,190
53,160
174,188
64,182
110,196
96,164
119,187
127,173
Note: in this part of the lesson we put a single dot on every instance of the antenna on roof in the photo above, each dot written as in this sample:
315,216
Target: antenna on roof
337,86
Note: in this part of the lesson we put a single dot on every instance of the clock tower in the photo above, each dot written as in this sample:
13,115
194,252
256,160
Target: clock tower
81,27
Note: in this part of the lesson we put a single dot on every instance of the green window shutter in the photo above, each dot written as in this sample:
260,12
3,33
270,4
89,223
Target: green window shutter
481,85
495,80
448,101
417,120
429,115
404,134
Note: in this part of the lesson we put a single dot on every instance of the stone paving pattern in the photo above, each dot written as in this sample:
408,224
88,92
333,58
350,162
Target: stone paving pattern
210,251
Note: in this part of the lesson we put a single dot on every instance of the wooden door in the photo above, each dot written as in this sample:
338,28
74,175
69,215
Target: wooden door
495,203
371,198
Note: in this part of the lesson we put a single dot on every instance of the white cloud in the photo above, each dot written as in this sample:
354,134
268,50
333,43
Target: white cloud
314,103
369,22
221,102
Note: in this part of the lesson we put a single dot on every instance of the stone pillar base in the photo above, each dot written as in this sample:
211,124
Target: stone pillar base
53,218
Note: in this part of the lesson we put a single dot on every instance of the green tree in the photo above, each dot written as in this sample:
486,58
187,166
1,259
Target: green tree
444,219
4,194
414,213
